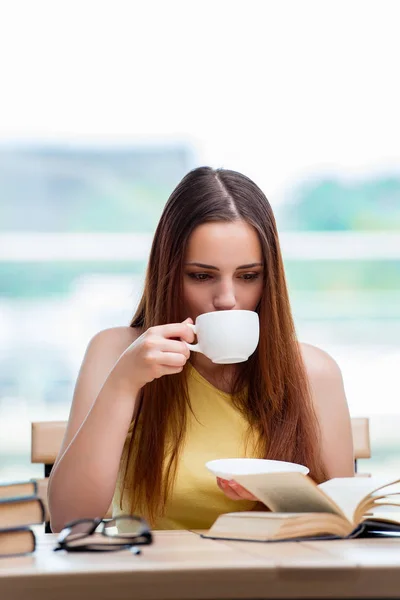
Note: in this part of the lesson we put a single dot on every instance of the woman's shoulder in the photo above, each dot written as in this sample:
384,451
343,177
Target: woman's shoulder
114,339
320,365
325,380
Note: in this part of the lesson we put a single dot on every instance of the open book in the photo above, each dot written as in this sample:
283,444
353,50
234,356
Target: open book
338,508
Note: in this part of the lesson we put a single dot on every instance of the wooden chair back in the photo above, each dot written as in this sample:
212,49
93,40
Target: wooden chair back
47,437
361,438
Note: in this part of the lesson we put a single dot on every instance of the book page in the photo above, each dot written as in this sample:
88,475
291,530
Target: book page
289,493
266,526
18,488
16,541
389,516
21,511
349,492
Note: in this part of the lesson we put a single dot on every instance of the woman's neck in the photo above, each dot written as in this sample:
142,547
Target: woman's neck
221,376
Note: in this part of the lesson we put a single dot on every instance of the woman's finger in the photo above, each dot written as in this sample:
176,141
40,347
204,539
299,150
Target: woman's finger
171,359
173,330
234,490
167,345
241,491
227,489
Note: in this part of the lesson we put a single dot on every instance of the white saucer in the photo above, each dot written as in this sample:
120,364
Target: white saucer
227,468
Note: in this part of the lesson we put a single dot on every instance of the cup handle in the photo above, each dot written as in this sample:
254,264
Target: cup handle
193,347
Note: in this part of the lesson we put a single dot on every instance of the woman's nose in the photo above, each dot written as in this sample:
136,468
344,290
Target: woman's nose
225,298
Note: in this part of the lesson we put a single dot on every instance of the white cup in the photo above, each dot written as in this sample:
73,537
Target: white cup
226,336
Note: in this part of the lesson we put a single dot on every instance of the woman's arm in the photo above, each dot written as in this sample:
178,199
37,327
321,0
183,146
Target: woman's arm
331,407
117,364
83,478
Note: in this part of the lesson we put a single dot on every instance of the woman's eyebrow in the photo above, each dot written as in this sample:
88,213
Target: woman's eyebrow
203,266
251,265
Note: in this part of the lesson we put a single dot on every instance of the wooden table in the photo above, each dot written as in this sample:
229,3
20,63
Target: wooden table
182,565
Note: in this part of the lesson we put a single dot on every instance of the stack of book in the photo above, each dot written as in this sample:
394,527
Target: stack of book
20,509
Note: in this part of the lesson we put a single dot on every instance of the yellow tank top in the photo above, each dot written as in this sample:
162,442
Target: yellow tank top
216,430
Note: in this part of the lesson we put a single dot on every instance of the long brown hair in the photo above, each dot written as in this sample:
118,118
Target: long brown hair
277,404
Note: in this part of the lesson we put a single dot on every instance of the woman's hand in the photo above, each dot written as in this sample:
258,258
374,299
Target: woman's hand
234,491
157,352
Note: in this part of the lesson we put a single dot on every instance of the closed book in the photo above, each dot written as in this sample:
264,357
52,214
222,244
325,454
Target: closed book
343,507
21,511
14,489
16,541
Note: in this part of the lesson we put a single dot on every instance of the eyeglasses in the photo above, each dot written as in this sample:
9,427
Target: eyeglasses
99,535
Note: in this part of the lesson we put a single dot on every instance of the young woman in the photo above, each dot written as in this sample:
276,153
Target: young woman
147,415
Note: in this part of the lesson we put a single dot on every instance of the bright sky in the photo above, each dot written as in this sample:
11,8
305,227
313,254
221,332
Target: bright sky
276,89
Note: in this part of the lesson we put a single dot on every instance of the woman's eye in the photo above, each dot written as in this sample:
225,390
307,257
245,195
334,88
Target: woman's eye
250,276
199,276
